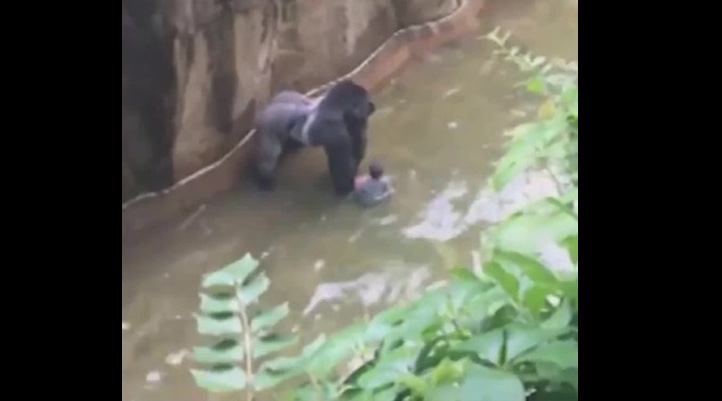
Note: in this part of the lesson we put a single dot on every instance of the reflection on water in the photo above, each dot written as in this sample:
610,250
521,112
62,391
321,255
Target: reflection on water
443,221
437,131
371,289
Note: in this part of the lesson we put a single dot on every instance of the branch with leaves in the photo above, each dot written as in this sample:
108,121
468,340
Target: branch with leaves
240,338
552,141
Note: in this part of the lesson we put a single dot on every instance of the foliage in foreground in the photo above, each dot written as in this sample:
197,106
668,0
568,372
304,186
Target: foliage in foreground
507,334
240,339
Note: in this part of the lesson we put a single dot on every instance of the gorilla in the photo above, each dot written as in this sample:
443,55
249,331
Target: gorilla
337,121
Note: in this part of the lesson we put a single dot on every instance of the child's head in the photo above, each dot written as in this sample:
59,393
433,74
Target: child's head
376,171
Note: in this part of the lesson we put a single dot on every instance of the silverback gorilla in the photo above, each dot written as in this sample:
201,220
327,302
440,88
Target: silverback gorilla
337,121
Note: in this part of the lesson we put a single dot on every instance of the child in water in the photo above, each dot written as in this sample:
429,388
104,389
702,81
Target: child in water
372,188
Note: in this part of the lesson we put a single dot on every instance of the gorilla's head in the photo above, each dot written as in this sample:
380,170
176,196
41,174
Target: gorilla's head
350,99
363,110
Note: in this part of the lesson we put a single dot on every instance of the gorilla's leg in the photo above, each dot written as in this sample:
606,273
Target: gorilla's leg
341,165
269,150
292,145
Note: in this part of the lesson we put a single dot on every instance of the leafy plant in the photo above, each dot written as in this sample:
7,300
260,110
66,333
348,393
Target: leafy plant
551,142
241,338
479,338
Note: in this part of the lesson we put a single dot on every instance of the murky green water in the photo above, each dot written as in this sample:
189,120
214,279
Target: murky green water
438,130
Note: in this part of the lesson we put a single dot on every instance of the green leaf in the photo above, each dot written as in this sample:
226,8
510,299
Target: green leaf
536,271
484,384
548,371
553,373
564,354
488,346
269,318
554,151
525,149
272,343
447,372
565,207
571,376
388,394
218,279
333,351
525,232
416,384
535,85
306,393
220,324
560,319
570,99
241,268
233,273
481,305
570,196
535,299
267,378
463,275
390,367
218,304
310,349
282,364
218,381
500,318
506,280
250,292
225,352
510,166
446,392
572,245
465,288
384,322
295,364
521,338
571,289
380,376
432,353
356,394
424,313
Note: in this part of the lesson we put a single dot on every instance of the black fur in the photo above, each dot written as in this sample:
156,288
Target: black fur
337,121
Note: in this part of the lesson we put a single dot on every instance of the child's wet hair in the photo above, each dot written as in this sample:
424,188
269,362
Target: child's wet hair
376,170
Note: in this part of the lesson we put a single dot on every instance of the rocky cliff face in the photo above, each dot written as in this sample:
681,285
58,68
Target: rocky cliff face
195,71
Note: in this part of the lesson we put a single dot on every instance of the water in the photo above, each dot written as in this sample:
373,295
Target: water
437,131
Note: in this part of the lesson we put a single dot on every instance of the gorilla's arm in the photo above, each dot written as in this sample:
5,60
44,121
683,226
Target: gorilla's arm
267,153
352,103
339,154
357,131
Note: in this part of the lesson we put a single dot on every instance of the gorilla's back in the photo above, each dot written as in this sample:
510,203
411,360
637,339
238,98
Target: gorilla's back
284,113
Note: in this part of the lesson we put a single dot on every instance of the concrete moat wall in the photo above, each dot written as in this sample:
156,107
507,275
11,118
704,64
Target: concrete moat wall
196,71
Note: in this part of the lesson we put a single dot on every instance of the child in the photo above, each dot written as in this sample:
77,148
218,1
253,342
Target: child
372,188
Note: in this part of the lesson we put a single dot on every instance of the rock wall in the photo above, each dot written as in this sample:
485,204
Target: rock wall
195,71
